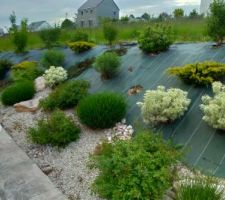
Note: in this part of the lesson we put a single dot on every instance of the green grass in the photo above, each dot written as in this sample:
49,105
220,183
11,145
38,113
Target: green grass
186,30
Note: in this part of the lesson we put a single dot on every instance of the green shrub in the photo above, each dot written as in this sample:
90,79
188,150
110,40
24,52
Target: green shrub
107,64
204,73
102,110
26,70
20,91
82,46
79,36
65,96
198,190
57,130
53,58
4,67
50,37
155,39
110,33
140,168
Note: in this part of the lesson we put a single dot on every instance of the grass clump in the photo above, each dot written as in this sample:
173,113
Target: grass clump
17,92
103,110
140,168
53,58
107,64
199,74
66,96
81,46
56,130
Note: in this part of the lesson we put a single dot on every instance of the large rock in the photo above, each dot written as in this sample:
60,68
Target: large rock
28,106
40,84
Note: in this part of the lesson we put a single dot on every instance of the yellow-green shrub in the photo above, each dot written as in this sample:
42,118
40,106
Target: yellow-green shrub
202,73
26,70
81,46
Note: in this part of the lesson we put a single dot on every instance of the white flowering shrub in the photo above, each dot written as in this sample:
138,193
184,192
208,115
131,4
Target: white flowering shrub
121,131
214,107
55,75
163,106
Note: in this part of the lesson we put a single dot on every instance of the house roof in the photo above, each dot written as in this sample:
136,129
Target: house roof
35,25
92,4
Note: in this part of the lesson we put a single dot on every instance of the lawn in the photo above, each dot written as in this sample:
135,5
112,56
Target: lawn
185,30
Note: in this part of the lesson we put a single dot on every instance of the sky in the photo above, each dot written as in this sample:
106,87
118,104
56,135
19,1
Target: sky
55,10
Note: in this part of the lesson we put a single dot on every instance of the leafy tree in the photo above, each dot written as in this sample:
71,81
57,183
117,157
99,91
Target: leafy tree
110,32
178,13
215,21
164,16
50,37
194,14
67,24
146,16
12,19
124,19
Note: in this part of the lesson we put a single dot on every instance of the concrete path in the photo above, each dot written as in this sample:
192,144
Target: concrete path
20,178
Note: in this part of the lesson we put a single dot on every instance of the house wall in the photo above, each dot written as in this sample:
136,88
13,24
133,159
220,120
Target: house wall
87,18
204,8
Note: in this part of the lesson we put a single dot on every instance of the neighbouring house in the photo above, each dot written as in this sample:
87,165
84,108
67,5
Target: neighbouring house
38,26
91,12
2,32
204,8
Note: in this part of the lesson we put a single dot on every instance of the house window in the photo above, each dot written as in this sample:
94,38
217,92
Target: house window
82,23
90,23
86,11
91,11
82,12
114,13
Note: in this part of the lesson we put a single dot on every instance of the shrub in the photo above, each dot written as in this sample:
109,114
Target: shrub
213,107
107,64
203,73
163,106
155,39
140,168
198,190
102,110
79,36
82,46
67,95
55,75
4,67
110,33
57,130
26,70
20,91
53,58
50,37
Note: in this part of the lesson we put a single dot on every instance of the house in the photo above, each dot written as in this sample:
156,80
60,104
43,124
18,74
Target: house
91,12
38,26
2,32
204,8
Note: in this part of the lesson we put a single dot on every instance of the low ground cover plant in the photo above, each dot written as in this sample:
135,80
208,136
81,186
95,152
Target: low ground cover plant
66,96
199,74
17,92
163,106
140,168
53,58
107,64
103,110
54,76
81,46
50,37
26,70
5,66
155,39
199,189
213,107
56,130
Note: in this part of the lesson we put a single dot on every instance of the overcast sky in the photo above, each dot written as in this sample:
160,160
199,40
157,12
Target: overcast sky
54,10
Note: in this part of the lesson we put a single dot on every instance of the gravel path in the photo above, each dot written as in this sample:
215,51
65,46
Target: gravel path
67,168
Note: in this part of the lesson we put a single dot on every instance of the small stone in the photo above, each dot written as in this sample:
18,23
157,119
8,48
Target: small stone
40,84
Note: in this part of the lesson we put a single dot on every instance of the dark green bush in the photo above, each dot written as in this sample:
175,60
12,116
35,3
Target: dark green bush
102,110
26,70
20,91
57,130
81,46
4,67
110,33
79,36
140,168
198,190
65,96
53,58
155,39
50,37
107,64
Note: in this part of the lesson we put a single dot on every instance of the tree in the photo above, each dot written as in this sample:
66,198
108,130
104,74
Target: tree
164,16
124,19
67,24
146,16
12,19
215,21
110,32
178,13
194,14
